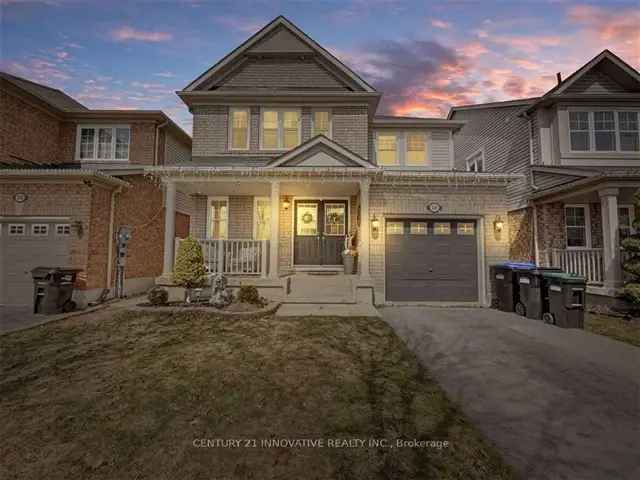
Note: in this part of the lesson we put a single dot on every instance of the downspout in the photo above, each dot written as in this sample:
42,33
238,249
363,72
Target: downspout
532,182
157,141
111,231
536,251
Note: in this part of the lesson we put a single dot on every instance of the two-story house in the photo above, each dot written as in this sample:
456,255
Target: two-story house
291,163
70,178
579,149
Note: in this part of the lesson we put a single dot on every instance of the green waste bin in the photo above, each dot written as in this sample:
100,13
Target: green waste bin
532,291
53,289
565,300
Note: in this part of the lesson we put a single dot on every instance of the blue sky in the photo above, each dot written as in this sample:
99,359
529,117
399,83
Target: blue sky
424,56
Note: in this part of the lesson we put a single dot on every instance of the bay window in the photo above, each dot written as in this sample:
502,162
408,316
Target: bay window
239,120
103,142
280,129
604,131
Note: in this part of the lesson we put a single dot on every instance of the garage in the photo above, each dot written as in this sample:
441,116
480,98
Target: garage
431,260
25,244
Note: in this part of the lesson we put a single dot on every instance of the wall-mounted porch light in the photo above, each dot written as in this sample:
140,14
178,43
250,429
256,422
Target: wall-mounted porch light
498,224
286,204
375,227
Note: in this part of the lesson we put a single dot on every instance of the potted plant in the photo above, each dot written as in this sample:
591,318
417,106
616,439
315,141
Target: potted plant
349,254
189,270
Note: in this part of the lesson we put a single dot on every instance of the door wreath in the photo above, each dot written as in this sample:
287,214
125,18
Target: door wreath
307,218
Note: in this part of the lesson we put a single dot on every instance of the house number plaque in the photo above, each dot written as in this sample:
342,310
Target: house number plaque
20,197
434,207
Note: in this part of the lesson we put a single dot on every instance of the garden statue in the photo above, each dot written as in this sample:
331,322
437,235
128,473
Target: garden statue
221,296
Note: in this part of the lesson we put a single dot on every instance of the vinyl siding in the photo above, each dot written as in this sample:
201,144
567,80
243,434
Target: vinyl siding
176,152
595,82
549,180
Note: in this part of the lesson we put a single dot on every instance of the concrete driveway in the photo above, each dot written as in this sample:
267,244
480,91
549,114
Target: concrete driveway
559,404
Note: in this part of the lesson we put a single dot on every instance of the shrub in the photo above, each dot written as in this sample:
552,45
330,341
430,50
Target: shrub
189,270
249,294
631,265
157,296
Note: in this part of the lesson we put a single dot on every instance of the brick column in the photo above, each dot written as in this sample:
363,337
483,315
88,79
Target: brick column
364,228
169,227
610,239
274,244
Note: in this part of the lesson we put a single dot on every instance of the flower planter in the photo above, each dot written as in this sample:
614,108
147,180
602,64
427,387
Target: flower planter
349,262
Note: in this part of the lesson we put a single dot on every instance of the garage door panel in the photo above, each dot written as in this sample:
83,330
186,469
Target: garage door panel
429,267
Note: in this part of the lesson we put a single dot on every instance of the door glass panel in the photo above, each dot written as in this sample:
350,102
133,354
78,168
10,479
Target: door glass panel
418,228
442,228
307,219
395,228
334,219
465,228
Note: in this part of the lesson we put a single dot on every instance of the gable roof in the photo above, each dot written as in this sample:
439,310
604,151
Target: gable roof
320,141
274,44
52,96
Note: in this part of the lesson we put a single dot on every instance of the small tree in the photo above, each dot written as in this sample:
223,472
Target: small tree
189,270
631,246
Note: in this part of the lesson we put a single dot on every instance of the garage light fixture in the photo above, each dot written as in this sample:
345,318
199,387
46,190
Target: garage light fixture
375,227
286,204
498,224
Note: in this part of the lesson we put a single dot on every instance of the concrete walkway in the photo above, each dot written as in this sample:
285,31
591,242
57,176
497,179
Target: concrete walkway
560,404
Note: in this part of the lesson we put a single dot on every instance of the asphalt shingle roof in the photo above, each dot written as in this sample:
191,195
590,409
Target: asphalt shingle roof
54,97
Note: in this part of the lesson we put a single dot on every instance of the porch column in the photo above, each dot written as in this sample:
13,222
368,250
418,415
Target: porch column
169,227
364,228
275,231
610,239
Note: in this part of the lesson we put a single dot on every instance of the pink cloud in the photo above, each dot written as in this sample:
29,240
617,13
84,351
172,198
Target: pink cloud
440,23
472,49
244,25
526,64
126,33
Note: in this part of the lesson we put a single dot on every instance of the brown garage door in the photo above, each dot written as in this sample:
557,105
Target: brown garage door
431,260
25,245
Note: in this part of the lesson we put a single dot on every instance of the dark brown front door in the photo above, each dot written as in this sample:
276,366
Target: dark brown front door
319,229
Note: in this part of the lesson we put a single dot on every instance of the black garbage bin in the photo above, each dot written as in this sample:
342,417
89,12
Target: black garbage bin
53,289
504,282
530,302
566,299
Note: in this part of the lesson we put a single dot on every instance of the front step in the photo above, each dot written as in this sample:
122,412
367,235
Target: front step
320,289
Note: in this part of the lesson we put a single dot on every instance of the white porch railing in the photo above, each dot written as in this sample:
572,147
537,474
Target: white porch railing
234,257
584,262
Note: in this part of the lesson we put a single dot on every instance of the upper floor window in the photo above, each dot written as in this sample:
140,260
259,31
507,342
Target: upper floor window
604,131
475,162
387,149
103,142
416,150
280,129
322,123
239,118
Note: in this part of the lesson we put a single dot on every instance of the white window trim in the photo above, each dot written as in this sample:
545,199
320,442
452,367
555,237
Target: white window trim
426,137
401,149
95,158
208,227
592,131
58,225
46,229
280,110
472,160
313,111
24,229
587,225
255,214
230,133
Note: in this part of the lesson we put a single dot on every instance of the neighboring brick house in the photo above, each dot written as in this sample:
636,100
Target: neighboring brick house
289,157
70,177
579,149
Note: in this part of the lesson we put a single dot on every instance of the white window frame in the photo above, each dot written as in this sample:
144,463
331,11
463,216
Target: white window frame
313,120
23,226
592,135
587,225
40,225
619,130
256,200
96,127
425,138
280,111
230,133
208,230
388,133
472,160
63,226
402,145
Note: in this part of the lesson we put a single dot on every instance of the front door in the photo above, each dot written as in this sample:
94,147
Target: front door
320,227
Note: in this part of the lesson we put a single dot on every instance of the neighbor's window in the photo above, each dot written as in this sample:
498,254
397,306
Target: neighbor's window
440,228
576,226
475,162
395,228
605,131
625,221
17,229
262,216
387,150
629,132
39,229
579,131
218,219
63,229
239,128
280,129
322,123
103,142
416,150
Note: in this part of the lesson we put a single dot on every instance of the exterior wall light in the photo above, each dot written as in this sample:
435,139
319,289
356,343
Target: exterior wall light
375,227
286,204
498,224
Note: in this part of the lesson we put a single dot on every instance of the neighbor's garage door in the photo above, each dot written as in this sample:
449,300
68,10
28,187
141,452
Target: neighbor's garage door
24,246
431,261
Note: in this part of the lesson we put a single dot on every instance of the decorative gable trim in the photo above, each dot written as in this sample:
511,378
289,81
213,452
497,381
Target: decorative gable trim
328,146
264,33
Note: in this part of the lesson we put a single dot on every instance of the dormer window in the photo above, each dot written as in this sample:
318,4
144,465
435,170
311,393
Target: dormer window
103,143
280,129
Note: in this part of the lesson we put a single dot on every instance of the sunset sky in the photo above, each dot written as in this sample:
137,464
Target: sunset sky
424,56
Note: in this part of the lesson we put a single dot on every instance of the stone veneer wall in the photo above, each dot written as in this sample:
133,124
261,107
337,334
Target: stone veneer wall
520,225
551,231
485,202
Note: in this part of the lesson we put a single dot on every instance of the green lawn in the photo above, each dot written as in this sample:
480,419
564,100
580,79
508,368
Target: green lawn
617,328
119,396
